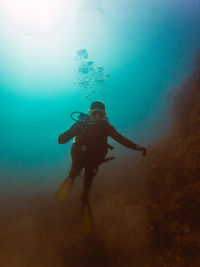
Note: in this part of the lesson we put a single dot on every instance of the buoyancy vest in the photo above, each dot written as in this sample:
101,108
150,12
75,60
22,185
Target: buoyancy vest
92,139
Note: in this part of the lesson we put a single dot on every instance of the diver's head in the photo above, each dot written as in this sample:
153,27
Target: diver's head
97,111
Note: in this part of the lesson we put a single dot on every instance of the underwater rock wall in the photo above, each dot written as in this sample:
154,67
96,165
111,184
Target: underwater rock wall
172,171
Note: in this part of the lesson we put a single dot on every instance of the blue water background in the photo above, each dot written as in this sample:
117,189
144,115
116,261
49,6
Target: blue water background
147,46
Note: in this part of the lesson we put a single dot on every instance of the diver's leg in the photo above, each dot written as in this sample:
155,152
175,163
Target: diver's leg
90,173
66,186
75,169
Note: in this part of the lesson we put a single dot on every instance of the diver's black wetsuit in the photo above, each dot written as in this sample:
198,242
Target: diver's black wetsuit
90,147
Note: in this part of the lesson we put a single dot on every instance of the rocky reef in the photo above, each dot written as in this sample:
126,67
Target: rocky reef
173,175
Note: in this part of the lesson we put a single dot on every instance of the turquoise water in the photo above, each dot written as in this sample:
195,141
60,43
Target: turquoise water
148,47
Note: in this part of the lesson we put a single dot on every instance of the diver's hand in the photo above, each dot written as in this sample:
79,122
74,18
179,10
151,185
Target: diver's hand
143,149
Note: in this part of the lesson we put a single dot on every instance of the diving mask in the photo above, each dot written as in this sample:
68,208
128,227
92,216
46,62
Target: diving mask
97,114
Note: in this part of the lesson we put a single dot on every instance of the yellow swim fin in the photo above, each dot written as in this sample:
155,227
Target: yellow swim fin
64,189
86,222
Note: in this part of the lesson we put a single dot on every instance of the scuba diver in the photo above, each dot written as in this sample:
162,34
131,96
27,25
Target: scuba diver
89,148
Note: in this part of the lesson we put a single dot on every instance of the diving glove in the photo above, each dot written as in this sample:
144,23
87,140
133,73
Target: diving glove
143,149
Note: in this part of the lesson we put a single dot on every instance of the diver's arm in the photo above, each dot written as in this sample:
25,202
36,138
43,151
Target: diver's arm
122,139
68,135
